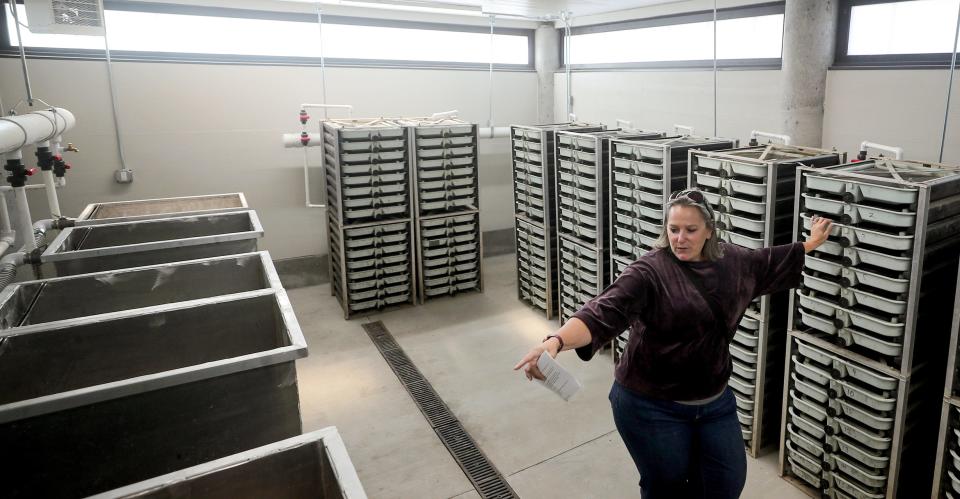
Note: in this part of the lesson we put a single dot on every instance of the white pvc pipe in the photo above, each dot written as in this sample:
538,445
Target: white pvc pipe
776,136
60,183
51,189
497,132
348,107
306,183
23,210
37,126
6,242
444,115
4,216
897,151
683,128
293,140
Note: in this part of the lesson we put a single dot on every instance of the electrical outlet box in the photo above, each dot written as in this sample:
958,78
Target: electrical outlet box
123,176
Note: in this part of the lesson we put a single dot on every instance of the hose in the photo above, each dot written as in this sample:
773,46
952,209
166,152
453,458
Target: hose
8,272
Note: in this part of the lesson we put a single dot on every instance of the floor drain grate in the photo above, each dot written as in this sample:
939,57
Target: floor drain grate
479,470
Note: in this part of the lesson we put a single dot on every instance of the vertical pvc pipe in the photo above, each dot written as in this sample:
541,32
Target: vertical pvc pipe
51,189
23,208
5,226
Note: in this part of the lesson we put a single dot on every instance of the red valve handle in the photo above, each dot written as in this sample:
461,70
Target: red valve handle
30,171
67,166
304,138
304,117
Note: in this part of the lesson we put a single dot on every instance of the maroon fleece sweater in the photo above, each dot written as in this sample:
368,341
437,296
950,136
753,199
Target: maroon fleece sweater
676,349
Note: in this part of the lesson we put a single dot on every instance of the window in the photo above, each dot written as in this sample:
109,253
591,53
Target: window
745,36
230,34
917,32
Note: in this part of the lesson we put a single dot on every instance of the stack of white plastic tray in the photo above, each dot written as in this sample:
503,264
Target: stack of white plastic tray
876,298
839,423
643,174
445,169
752,190
947,475
369,214
533,151
582,189
619,264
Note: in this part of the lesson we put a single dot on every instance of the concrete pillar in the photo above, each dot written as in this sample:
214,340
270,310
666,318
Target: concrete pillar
809,40
547,57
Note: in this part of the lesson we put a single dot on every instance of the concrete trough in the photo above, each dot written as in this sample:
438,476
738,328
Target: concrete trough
314,465
95,248
146,209
61,298
94,403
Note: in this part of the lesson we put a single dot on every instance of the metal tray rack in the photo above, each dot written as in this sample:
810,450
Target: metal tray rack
447,206
885,274
643,174
450,249
851,430
752,189
582,275
533,151
618,265
947,473
369,223
583,172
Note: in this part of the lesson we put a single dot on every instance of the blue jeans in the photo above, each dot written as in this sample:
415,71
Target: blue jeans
682,451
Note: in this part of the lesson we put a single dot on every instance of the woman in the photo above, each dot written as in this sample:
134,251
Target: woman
682,302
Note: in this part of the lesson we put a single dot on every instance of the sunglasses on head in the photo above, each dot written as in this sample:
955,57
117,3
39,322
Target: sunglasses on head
693,195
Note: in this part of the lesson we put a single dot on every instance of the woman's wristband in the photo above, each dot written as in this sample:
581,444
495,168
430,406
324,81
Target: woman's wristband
559,339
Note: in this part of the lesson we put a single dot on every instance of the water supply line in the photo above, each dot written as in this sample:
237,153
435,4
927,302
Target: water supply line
786,139
123,172
41,227
307,139
953,67
8,267
897,151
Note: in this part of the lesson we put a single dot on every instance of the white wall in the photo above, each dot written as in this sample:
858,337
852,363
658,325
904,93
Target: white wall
902,108
896,107
204,128
657,100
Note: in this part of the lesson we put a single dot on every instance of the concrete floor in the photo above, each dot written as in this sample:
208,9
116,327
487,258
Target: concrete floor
466,347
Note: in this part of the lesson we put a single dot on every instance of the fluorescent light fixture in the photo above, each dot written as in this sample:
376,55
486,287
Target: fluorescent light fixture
411,6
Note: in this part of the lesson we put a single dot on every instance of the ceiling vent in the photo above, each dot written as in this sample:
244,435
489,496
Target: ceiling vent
65,17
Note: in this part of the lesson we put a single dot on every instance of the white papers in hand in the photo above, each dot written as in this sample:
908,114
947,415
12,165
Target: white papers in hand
558,379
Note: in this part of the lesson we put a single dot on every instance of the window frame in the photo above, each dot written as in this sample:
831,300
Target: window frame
770,8
8,49
842,60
